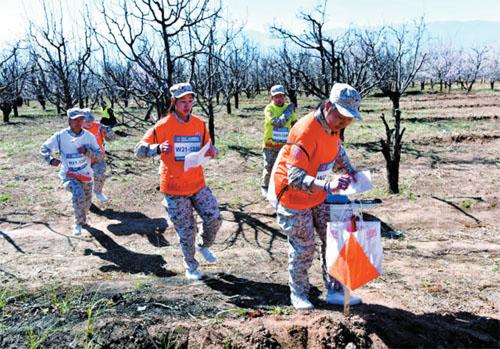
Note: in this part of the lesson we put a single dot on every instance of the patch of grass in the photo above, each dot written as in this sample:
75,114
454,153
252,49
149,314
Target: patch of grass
4,296
35,340
466,204
4,197
228,343
95,308
279,311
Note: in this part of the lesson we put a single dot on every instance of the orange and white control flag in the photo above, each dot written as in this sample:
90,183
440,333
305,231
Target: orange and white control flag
354,258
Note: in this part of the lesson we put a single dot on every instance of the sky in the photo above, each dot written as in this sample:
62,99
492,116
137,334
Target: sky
259,15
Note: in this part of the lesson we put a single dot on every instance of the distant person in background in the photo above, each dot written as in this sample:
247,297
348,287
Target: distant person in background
108,115
101,133
172,138
300,180
76,148
279,117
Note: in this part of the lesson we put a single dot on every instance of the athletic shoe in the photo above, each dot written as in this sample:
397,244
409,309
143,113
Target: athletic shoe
193,275
300,302
207,254
101,197
77,230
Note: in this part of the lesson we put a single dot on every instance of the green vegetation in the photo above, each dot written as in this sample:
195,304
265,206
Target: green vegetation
4,197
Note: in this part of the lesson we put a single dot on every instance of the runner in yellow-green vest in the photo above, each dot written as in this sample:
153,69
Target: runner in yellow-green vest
108,116
279,119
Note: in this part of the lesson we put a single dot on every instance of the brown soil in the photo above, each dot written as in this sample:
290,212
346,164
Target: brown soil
440,286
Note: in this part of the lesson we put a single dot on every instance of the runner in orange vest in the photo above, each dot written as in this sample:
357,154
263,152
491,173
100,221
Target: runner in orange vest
101,133
172,138
300,180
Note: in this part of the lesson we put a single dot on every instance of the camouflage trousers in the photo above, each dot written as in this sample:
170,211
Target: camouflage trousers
180,210
269,155
299,226
99,168
81,196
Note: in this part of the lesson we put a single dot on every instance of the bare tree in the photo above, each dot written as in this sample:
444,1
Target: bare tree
322,48
208,67
138,28
396,57
62,60
493,67
13,75
470,67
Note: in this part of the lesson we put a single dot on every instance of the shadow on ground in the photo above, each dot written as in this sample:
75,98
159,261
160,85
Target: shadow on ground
252,229
135,223
125,260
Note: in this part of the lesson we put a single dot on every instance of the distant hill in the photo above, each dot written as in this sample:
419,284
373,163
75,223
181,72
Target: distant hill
472,33
461,34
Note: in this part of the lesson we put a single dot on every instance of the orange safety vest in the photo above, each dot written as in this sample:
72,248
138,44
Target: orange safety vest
312,149
98,133
184,138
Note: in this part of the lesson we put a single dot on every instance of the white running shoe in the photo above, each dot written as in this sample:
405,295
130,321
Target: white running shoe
301,302
101,197
337,297
77,230
193,275
263,192
207,254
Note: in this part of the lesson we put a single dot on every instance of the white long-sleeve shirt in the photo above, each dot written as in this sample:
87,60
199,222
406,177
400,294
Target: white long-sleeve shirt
66,143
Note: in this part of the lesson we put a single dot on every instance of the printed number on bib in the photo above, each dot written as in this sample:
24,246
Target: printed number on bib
280,134
184,145
324,170
76,161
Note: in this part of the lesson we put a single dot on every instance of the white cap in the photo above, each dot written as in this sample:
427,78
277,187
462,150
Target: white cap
346,100
181,89
75,113
277,90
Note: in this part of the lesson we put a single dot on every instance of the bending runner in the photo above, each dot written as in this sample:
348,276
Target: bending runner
173,137
301,186
76,148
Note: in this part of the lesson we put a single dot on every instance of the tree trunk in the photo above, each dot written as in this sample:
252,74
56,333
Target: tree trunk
228,106
440,85
125,102
422,85
148,112
492,85
42,102
6,109
236,100
16,112
392,144
293,97
211,122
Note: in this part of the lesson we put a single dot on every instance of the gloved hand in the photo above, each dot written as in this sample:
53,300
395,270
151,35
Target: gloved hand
212,151
165,147
55,162
340,183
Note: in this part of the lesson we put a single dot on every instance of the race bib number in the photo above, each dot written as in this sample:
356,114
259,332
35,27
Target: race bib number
280,134
76,161
184,145
324,170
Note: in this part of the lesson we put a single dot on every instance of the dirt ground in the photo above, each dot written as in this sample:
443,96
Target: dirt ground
121,284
